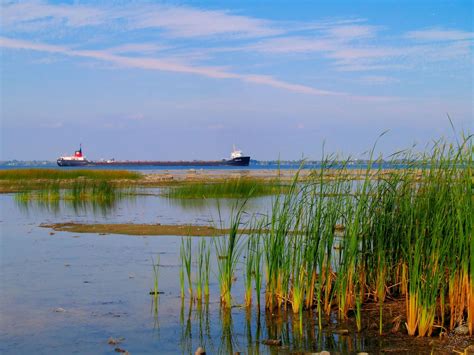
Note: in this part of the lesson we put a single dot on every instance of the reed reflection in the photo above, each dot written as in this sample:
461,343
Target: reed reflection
56,201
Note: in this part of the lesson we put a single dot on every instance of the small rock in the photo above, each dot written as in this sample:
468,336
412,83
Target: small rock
113,341
362,353
200,351
76,236
59,310
119,350
461,330
51,233
324,352
272,342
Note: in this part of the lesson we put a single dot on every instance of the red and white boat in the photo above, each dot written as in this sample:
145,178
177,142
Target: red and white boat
74,160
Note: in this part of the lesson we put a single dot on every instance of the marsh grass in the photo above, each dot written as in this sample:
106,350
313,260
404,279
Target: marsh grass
26,180
256,247
186,260
61,174
406,235
228,250
156,276
206,250
230,188
200,277
249,271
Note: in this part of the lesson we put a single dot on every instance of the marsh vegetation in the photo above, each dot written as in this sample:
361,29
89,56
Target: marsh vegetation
406,237
50,181
242,187
66,174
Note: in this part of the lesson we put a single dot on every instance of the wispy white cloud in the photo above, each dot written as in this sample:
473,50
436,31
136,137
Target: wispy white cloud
139,48
378,79
347,54
184,21
291,44
174,20
351,32
439,35
163,65
15,15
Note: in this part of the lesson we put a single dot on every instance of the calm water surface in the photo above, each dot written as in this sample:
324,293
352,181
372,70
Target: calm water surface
68,293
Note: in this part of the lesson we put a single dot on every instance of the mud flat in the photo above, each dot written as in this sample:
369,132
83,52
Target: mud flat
191,175
138,229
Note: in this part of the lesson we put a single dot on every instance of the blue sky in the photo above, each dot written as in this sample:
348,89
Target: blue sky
187,79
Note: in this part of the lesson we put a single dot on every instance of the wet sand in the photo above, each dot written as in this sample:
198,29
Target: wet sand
138,229
288,175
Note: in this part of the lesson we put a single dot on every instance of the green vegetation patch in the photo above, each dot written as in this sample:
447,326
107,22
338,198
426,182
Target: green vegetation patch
406,236
230,188
57,174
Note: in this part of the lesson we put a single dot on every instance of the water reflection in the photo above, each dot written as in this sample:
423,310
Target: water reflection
32,202
228,345
212,203
155,301
247,330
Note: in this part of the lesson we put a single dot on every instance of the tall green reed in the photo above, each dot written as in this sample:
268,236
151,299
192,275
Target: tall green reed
407,234
228,250
186,260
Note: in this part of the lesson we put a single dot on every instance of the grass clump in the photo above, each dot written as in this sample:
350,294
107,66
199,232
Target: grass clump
61,174
228,250
230,188
340,244
186,259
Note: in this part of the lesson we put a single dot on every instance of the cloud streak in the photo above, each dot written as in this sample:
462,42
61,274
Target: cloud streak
15,15
175,21
163,65
439,35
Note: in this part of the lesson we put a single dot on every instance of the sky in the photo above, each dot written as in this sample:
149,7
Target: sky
188,79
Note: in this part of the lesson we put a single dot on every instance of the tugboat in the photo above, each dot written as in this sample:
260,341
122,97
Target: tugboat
236,159
75,160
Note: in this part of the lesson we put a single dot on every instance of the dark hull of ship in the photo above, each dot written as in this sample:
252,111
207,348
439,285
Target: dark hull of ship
64,162
241,161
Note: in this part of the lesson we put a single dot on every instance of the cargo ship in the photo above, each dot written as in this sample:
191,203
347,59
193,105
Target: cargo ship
78,159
